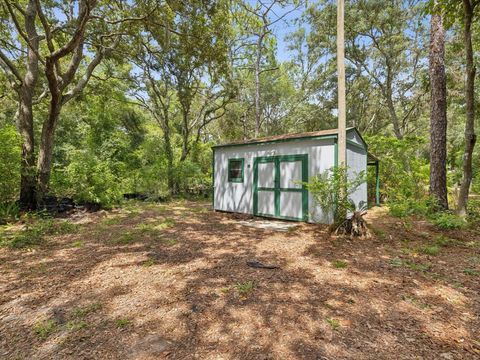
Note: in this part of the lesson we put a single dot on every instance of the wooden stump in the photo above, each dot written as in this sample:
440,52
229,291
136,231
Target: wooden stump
356,226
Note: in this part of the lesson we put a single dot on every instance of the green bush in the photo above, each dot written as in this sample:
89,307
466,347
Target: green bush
325,189
404,174
448,221
9,211
473,211
409,207
88,179
10,151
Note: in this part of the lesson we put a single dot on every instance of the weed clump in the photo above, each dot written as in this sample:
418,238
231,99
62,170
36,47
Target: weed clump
35,232
448,221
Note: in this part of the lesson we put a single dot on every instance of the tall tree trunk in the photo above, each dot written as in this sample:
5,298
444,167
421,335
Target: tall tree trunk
45,154
391,107
24,118
258,110
470,137
27,168
172,188
438,113
185,136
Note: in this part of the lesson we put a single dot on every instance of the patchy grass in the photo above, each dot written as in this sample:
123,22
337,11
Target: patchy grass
126,238
83,311
244,289
339,264
165,224
418,266
334,323
443,240
145,231
432,250
415,301
471,272
45,328
474,260
410,264
122,323
396,262
379,233
76,325
170,242
292,229
112,220
225,290
145,228
35,232
148,263
78,243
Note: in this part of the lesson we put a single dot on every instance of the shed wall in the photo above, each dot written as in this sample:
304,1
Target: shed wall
238,197
357,162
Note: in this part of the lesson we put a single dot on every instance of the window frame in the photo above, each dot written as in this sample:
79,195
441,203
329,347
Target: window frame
236,179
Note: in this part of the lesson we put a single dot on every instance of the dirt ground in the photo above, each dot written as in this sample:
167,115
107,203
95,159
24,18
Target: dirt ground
151,281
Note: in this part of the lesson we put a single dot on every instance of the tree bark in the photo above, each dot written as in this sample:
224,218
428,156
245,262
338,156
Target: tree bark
438,113
185,135
45,153
165,124
391,106
24,117
258,114
172,188
470,137
27,168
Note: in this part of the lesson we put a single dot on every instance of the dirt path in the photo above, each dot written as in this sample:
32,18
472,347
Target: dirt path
171,281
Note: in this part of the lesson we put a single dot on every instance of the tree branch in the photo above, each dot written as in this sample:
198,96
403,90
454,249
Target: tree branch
10,66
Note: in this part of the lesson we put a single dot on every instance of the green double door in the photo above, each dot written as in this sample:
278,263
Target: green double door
277,187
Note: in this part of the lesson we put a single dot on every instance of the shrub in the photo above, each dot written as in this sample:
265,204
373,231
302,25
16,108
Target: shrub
88,179
404,174
9,165
326,188
473,211
414,206
9,211
448,221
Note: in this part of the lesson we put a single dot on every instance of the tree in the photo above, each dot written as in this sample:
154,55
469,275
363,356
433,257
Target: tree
469,7
384,44
260,28
19,61
185,73
438,112
77,39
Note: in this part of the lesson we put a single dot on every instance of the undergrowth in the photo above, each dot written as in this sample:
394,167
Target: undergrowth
35,231
448,221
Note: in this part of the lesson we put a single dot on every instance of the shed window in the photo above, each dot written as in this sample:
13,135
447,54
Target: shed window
235,170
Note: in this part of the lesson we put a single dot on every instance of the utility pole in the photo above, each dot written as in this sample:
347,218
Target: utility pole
342,127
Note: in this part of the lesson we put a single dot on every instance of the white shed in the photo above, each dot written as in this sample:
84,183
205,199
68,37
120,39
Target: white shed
263,177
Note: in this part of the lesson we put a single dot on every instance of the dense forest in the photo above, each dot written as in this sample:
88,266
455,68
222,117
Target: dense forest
100,98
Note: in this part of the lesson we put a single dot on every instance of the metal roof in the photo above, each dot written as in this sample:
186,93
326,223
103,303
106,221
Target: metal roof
285,137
